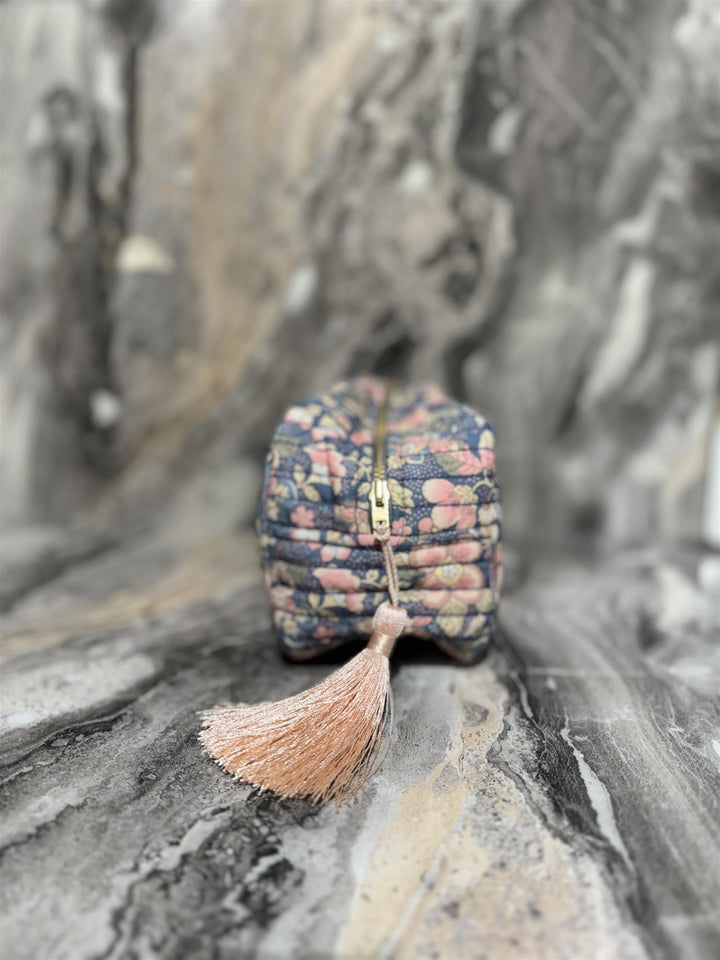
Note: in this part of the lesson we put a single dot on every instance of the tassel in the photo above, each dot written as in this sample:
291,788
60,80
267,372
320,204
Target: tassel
321,744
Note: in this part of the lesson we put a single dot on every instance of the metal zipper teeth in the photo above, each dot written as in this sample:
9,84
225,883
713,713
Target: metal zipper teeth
380,492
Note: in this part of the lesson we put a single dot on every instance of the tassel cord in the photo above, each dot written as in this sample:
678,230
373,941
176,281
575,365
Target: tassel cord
382,535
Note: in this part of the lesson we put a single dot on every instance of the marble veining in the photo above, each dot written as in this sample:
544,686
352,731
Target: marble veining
559,799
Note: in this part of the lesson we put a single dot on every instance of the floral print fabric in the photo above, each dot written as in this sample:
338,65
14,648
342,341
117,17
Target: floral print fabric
324,569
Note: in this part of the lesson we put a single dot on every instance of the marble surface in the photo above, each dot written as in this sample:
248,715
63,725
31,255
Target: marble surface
560,799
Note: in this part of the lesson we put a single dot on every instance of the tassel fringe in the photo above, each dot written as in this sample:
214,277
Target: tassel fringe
321,744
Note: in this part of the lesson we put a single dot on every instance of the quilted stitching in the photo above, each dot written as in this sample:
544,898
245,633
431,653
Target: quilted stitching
324,570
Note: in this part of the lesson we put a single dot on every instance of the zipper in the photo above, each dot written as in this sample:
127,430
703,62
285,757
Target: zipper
380,492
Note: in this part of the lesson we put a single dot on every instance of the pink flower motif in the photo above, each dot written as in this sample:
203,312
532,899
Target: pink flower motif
301,416
323,633
324,432
445,445
469,464
437,491
440,599
345,515
425,525
303,517
454,509
427,556
458,576
282,599
361,438
329,553
487,459
471,579
327,461
336,580
409,447
401,528
469,597
436,599
419,622
419,416
343,421
355,602
464,551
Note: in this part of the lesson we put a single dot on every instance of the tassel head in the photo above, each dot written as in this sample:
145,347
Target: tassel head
388,623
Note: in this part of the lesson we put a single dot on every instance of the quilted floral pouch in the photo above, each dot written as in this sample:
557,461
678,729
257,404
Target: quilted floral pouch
373,490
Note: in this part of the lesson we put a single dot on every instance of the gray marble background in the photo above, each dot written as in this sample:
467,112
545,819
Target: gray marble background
213,208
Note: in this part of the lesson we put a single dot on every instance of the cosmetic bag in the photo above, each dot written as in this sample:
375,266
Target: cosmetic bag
370,467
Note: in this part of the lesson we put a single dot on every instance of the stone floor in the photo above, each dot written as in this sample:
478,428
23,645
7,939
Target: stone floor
559,800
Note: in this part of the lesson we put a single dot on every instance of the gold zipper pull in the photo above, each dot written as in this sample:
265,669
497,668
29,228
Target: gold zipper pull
379,503
380,492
